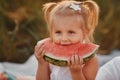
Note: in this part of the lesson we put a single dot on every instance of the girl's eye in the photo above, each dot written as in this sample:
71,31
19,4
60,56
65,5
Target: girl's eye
58,32
71,32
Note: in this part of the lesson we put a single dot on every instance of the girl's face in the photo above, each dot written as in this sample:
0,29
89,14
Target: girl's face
67,31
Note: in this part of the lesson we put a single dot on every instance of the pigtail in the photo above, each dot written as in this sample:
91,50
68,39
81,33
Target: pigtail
93,16
47,9
94,12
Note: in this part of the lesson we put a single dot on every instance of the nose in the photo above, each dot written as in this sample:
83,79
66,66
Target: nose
64,40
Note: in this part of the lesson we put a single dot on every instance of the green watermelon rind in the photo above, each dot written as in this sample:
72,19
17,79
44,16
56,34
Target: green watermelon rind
64,63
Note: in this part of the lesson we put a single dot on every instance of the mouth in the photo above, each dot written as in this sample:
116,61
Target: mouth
65,44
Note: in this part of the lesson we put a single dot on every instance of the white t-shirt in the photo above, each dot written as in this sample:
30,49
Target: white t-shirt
60,73
110,70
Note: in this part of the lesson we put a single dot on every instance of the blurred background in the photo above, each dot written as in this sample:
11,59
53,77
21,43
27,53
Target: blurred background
22,25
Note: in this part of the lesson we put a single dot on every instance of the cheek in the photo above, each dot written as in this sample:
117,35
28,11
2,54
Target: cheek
79,37
55,39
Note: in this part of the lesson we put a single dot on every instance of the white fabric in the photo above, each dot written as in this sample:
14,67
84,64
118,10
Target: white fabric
28,68
110,70
59,73
102,59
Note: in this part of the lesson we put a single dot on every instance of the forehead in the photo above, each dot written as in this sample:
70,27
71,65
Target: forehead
69,22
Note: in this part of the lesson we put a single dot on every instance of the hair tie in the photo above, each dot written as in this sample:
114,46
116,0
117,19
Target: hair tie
75,7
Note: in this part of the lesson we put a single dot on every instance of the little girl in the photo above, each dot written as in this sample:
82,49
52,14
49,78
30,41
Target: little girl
69,22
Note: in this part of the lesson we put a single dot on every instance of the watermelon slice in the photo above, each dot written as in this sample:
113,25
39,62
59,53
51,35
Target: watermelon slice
58,54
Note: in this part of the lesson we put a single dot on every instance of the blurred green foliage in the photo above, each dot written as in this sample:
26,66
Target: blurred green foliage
22,25
107,32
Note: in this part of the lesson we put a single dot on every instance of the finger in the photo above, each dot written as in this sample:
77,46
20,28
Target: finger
43,53
72,60
36,49
39,47
40,51
80,60
69,61
40,57
77,59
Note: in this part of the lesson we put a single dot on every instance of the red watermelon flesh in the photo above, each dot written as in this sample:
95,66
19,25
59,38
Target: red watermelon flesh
63,52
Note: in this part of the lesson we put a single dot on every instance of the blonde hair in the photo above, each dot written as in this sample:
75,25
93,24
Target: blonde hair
89,13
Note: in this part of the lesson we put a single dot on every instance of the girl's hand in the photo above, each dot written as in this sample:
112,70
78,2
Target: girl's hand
76,67
39,53
75,63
